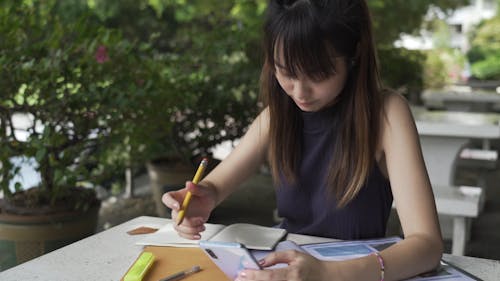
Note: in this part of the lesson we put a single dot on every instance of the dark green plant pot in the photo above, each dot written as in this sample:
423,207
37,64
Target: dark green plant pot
24,237
167,176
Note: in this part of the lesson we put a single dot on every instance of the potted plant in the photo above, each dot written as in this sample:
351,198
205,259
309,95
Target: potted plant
77,85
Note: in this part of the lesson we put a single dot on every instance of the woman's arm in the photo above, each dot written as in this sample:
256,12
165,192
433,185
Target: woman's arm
243,161
218,184
422,247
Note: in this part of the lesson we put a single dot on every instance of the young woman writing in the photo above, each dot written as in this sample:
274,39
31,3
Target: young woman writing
340,147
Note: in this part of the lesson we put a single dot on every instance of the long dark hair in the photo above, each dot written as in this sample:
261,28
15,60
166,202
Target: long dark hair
310,34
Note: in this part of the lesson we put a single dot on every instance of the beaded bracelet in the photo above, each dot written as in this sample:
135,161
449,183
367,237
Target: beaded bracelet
382,266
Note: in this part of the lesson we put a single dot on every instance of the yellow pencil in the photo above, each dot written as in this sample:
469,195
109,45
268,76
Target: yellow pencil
187,199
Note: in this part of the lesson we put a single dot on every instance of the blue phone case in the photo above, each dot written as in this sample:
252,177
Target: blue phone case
230,257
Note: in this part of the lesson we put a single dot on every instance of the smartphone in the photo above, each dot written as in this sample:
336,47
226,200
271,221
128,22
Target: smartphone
230,257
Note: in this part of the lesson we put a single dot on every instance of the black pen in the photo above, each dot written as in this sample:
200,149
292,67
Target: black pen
182,274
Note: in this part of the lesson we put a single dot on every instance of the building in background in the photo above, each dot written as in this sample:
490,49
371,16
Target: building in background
459,22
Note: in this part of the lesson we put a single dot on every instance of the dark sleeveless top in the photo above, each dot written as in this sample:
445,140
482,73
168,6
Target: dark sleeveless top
307,207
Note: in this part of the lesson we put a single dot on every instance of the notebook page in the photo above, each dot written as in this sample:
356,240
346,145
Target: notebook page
251,235
167,236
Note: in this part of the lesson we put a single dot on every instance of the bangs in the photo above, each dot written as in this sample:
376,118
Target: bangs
297,45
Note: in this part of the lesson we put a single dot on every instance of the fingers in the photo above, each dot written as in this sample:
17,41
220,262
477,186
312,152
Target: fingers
266,274
192,224
170,201
197,190
190,228
174,199
286,273
280,257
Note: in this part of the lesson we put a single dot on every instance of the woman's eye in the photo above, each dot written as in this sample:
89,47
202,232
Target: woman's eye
318,79
321,78
288,76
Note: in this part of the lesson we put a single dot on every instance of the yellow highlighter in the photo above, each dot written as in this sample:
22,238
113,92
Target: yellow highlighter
187,199
140,267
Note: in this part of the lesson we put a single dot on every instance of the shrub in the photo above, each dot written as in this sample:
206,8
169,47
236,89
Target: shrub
402,69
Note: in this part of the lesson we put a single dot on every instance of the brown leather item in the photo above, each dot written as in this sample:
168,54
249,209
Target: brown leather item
142,230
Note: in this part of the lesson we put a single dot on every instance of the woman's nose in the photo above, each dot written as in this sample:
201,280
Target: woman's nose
301,89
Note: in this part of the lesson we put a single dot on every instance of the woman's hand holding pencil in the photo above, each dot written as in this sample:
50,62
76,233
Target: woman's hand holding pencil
187,199
197,204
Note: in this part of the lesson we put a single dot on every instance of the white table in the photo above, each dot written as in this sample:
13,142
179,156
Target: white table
468,100
107,256
443,134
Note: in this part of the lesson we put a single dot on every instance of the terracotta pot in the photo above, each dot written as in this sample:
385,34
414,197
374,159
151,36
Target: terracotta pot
24,237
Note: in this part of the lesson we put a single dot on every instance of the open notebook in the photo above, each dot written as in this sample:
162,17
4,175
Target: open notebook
251,235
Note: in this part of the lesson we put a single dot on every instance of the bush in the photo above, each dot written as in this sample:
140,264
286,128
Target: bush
484,54
487,69
402,69
104,93
82,85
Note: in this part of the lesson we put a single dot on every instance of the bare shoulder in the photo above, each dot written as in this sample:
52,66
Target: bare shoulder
398,133
395,105
263,117
396,111
396,121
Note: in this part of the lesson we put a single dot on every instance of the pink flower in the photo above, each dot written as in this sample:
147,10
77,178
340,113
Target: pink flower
139,82
101,55
89,114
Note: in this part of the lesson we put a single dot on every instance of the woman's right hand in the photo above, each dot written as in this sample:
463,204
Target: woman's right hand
203,201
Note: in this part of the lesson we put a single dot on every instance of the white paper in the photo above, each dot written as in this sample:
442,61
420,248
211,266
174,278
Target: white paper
345,250
251,235
168,236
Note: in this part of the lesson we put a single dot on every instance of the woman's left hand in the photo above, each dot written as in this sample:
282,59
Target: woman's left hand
301,267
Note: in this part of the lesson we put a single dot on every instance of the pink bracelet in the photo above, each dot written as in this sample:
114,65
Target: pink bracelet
382,266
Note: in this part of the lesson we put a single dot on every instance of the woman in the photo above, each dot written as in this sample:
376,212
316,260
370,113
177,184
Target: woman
339,146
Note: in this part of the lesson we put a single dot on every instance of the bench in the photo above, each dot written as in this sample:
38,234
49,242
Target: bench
483,160
462,204
479,158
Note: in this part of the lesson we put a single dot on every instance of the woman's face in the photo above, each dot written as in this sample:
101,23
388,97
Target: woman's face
308,93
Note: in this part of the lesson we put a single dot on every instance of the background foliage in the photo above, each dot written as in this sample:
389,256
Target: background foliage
401,68
77,83
112,84
104,93
484,54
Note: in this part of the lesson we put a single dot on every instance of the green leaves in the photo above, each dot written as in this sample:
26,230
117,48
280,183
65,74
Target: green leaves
489,68
49,72
485,50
